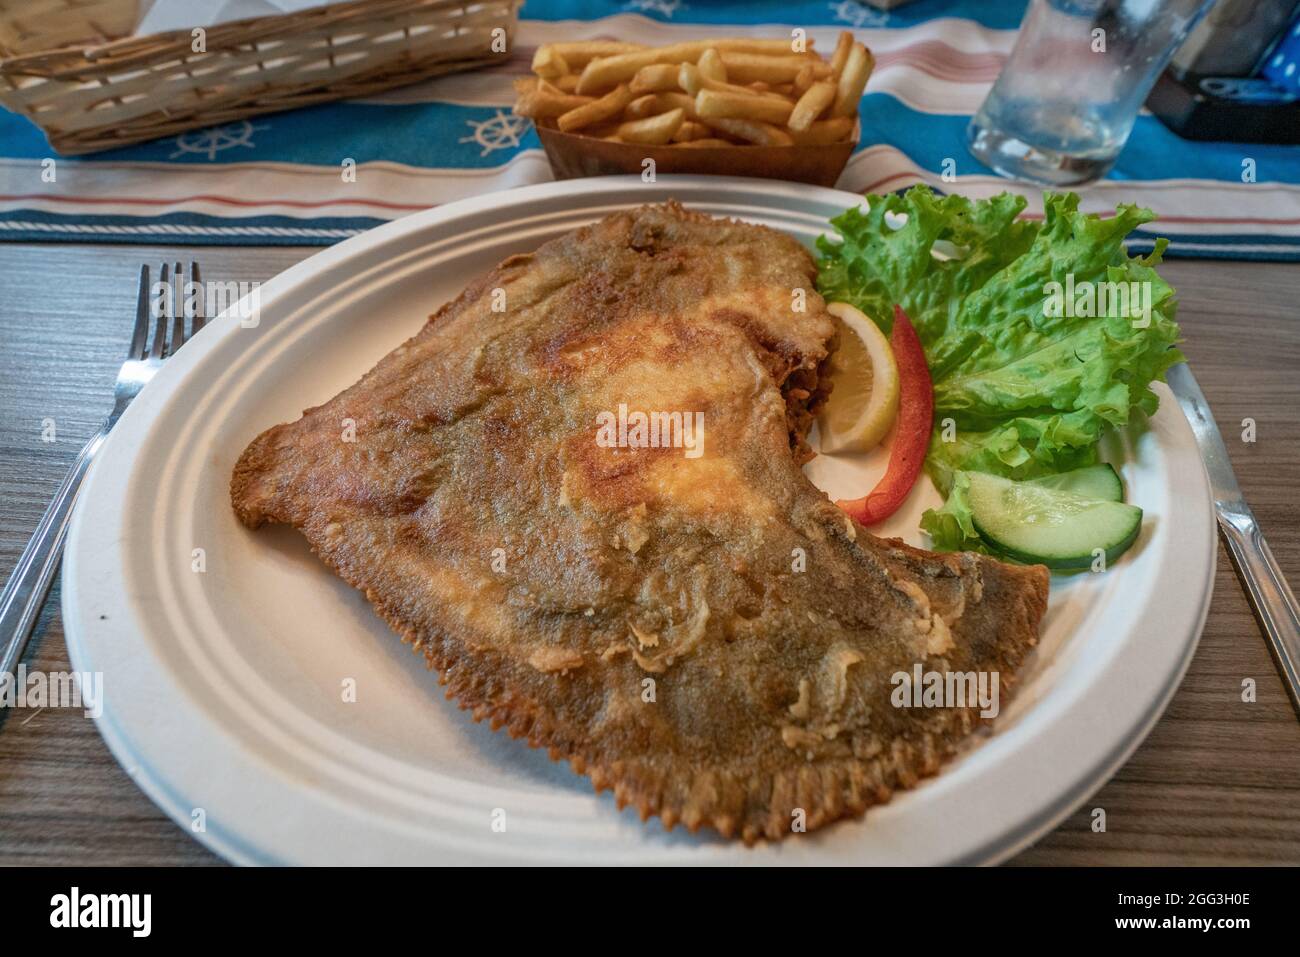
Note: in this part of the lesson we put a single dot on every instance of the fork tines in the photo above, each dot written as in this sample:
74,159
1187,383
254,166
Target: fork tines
165,308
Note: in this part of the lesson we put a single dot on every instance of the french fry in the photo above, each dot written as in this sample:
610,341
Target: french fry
692,81
811,105
824,132
713,104
804,79
549,63
581,52
748,67
751,45
842,48
852,81
655,78
605,72
708,142
540,100
653,130
711,66
752,131
609,105
647,104
567,83
690,130
653,104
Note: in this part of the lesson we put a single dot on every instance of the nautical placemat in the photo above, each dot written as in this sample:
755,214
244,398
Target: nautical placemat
318,175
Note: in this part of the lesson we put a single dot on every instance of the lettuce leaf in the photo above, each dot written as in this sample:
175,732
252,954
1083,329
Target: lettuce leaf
1024,384
952,527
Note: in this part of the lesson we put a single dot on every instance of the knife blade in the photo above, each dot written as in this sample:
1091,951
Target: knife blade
1270,596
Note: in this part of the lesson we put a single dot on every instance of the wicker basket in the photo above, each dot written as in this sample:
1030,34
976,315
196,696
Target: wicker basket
90,92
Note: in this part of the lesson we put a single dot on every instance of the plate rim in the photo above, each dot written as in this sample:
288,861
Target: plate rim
79,563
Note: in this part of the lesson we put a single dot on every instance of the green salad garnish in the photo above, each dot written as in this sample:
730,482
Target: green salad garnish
1039,335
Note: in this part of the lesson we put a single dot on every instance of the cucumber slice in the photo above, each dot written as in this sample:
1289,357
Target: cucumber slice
1094,481
1047,526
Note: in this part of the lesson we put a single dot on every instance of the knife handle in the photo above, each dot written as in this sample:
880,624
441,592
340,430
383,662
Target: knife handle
1270,595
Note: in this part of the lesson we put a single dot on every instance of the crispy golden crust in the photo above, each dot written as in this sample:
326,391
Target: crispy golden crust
707,636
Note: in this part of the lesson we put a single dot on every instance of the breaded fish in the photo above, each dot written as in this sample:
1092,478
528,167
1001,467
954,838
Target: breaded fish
665,602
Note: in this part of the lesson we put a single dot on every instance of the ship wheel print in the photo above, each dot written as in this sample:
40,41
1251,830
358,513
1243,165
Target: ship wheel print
213,140
499,132
853,13
665,8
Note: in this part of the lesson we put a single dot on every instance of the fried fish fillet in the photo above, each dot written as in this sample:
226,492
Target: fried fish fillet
692,624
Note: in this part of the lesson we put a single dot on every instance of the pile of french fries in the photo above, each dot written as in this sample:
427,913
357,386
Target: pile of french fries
701,93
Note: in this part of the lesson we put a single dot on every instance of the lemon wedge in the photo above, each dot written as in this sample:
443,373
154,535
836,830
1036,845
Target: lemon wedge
864,401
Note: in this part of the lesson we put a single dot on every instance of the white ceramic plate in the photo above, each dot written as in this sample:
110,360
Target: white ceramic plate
224,688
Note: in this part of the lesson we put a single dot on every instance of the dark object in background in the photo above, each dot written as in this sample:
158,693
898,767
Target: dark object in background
1233,38
1212,90
1237,109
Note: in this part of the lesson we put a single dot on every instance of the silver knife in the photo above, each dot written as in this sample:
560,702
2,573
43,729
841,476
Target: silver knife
1266,587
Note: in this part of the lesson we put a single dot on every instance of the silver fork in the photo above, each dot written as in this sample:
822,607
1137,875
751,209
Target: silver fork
164,316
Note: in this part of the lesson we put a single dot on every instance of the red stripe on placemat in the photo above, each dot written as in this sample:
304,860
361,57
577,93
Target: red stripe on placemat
204,198
939,60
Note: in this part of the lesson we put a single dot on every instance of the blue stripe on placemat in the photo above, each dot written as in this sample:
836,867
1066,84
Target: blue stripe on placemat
1256,252
448,135
1227,239
1260,248
1153,152
415,134
184,229
22,139
996,14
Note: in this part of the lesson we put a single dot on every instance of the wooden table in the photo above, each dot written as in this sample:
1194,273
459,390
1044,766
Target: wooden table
1217,781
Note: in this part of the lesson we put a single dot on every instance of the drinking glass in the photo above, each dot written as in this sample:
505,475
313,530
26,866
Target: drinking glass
1064,104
